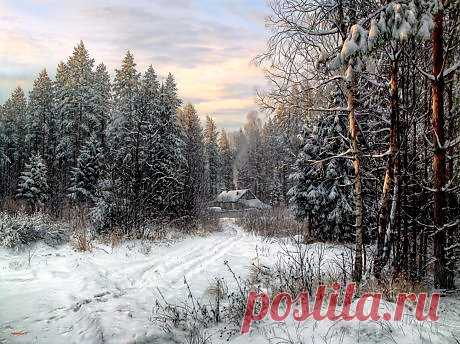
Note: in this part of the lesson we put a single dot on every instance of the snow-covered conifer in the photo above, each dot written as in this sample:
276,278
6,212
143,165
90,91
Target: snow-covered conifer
227,159
85,176
33,185
213,157
323,189
194,153
40,115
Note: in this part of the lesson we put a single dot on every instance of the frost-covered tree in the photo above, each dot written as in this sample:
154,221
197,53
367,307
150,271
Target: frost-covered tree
102,101
13,149
40,115
227,157
124,141
76,100
213,158
273,163
322,193
85,176
170,151
33,185
250,155
276,195
194,152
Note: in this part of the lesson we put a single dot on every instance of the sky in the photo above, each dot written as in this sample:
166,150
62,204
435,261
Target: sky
208,45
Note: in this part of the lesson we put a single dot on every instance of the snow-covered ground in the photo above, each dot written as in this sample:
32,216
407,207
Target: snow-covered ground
59,295
84,297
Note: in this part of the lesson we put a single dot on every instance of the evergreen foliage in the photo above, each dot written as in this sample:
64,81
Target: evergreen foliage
322,193
33,185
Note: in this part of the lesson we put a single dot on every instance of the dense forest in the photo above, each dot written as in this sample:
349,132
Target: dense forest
128,149
361,140
378,83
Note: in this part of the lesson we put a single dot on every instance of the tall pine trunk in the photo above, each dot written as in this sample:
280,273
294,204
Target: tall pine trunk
353,129
442,277
384,226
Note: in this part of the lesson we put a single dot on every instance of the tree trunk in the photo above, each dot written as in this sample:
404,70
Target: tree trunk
384,206
442,277
353,129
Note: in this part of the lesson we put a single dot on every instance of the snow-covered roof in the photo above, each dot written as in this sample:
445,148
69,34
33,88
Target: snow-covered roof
231,196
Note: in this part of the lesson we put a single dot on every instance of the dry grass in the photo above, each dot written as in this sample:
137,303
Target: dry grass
12,205
82,242
207,223
390,287
115,238
275,222
80,224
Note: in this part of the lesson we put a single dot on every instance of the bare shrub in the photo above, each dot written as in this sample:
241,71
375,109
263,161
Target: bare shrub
82,241
197,336
18,230
193,317
298,268
80,224
391,286
115,238
209,222
12,205
190,317
274,222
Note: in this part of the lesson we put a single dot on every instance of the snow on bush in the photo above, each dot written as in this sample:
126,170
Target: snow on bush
18,230
426,26
373,34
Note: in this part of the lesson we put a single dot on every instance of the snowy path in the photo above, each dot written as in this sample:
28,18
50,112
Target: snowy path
64,296
102,296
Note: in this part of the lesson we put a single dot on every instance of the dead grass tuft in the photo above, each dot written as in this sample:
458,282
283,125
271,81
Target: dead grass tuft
275,222
390,287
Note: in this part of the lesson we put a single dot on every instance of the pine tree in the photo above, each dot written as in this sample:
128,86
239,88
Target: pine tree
273,157
33,185
213,158
241,157
60,95
250,155
194,152
102,102
227,156
85,176
322,193
276,196
152,147
77,108
13,140
40,115
169,181
124,140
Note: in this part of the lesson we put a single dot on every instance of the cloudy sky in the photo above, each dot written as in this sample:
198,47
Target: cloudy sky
207,44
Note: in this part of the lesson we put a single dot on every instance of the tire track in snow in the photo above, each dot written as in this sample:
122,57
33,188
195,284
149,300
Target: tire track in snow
197,264
201,261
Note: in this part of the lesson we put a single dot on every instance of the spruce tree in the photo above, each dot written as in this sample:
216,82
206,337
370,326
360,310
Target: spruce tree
85,176
213,158
251,155
102,102
78,108
227,159
194,180
322,193
14,152
169,181
124,138
33,185
40,115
